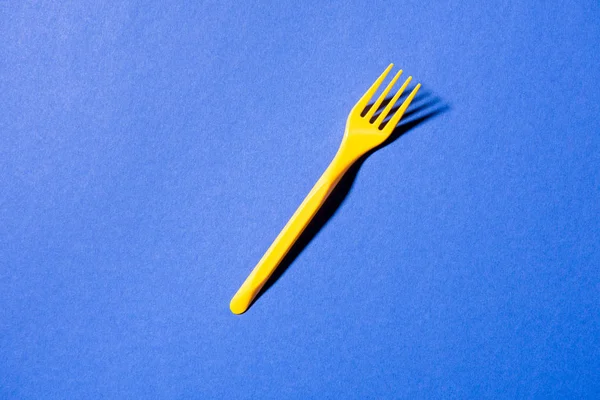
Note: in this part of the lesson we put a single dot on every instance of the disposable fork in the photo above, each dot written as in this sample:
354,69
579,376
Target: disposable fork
364,132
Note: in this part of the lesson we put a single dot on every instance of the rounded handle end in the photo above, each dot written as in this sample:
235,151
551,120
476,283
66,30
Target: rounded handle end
240,302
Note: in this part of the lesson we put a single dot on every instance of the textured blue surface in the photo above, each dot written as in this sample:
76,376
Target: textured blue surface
150,154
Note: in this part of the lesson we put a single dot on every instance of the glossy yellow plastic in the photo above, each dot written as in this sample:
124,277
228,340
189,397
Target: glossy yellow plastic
361,135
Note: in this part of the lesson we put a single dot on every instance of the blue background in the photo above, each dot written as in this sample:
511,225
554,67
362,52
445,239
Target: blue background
149,154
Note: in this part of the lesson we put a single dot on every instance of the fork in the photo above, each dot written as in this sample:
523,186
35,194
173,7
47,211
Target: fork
364,132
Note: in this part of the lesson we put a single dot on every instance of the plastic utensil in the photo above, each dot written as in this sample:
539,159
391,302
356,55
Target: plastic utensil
363,133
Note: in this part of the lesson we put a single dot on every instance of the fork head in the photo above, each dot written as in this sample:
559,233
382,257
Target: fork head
367,130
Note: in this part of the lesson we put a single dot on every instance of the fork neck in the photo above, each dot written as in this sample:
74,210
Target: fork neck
346,155
351,150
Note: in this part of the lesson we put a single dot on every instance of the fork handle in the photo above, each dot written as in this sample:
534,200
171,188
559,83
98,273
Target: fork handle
290,233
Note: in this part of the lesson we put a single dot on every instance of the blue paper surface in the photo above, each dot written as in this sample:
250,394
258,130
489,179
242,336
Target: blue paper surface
150,153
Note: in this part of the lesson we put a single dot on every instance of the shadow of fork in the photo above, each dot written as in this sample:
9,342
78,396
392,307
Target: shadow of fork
425,107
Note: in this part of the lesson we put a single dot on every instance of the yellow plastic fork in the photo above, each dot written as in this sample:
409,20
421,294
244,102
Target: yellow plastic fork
362,134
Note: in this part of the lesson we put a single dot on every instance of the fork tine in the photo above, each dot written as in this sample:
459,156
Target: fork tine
392,102
364,100
382,97
396,118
